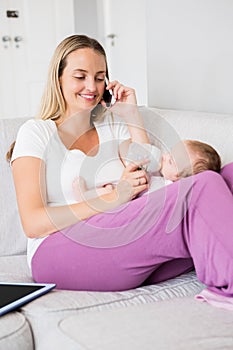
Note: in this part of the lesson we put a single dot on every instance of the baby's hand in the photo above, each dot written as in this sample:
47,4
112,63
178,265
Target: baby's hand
105,189
81,192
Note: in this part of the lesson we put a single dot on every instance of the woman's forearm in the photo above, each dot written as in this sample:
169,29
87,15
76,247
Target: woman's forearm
136,126
39,220
47,220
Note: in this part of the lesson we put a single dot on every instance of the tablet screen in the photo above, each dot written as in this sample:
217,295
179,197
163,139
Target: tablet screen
13,295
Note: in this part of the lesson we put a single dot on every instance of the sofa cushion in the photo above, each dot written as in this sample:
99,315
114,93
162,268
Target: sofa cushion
15,332
46,312
14,269
13,240
61,300
177,324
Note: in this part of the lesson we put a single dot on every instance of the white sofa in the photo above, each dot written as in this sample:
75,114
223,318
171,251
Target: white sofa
162,316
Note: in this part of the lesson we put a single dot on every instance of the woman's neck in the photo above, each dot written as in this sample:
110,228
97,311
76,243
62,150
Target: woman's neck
78,132
75,124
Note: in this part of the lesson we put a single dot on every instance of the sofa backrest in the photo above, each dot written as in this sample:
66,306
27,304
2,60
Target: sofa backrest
12,238
165,127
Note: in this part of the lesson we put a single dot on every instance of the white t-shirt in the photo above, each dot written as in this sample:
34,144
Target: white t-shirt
40,139
157,182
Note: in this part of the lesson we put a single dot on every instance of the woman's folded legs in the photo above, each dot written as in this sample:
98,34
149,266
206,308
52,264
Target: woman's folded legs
190,220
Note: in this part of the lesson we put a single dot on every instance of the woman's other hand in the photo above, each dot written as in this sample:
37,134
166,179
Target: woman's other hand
133,181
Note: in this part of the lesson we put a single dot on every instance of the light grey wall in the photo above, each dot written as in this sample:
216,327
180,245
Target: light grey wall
188,48
190,54
86,17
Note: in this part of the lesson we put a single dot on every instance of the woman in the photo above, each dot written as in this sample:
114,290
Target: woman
110,242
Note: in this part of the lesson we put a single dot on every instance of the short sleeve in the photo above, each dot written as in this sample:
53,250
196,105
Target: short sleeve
32,140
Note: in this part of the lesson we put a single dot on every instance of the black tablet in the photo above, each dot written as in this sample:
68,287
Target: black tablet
14,295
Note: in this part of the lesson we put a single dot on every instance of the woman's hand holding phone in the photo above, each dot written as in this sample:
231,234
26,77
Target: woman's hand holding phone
126,107
120,100
116,92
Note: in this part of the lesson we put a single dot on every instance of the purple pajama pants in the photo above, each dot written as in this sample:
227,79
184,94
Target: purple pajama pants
186,225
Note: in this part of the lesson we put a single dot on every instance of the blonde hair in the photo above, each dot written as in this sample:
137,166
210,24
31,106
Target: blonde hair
52,103
207,158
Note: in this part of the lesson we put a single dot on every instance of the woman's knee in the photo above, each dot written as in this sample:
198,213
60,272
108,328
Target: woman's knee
209,180
209,176
227,174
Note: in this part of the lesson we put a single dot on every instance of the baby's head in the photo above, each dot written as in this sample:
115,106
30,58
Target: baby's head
189,157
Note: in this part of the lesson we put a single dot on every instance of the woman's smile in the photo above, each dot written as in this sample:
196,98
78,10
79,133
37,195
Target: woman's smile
83,80
88,97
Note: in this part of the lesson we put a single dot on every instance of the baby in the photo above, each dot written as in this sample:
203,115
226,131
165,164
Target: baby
201,157
188,157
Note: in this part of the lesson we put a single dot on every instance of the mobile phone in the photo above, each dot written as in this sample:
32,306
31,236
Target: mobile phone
108,97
